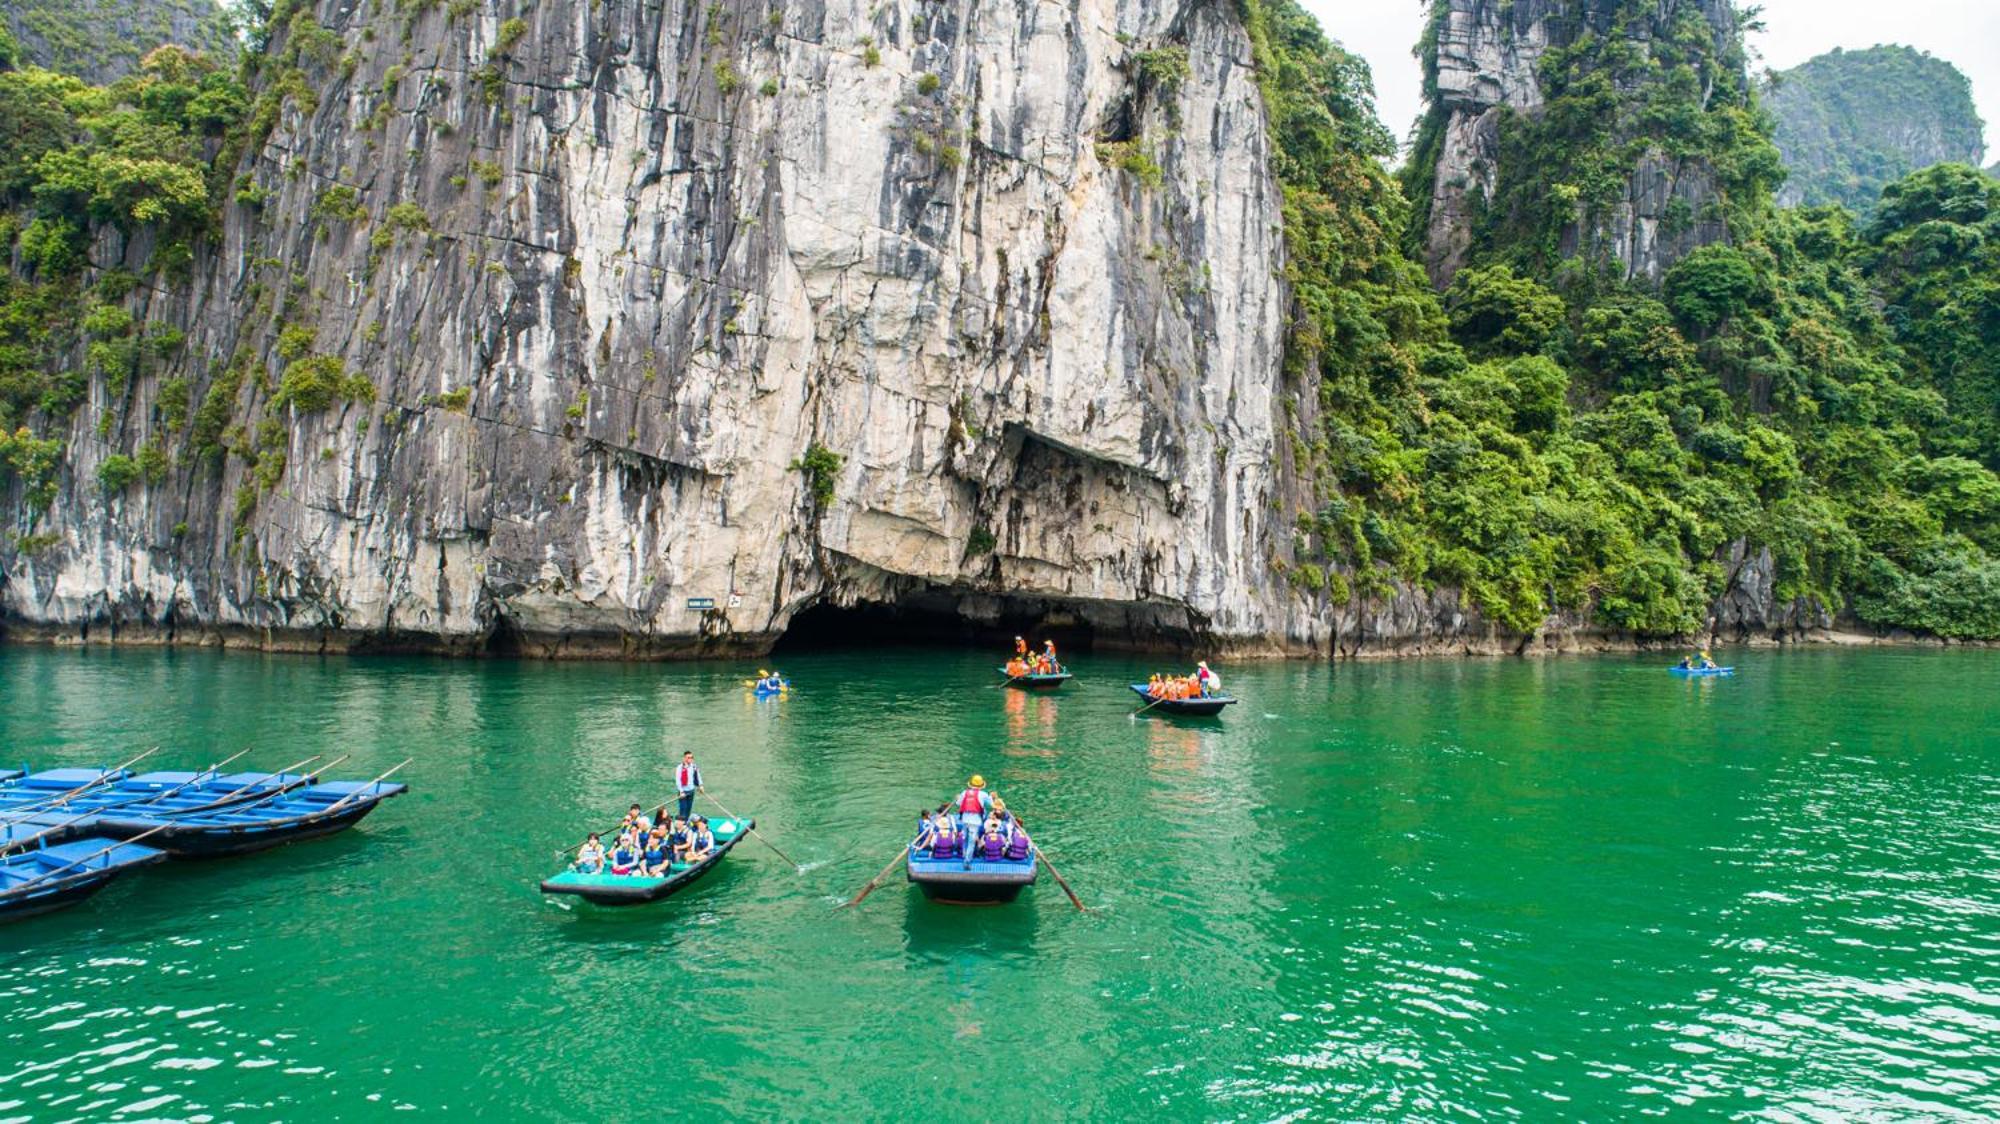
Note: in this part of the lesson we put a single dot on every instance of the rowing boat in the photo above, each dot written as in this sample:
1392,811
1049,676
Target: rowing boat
631,889
957,879
240,829
47,878
1036,682
1701,672
42,796
1201,706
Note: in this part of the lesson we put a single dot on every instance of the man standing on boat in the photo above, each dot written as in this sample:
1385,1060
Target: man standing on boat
973,804
687,782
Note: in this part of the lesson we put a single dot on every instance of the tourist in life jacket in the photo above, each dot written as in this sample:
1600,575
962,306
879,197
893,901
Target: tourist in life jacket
625,856
772,682
1049,654
701,842
590,856
1017,667
1707,661
972,805
926,831
655,858
1020,647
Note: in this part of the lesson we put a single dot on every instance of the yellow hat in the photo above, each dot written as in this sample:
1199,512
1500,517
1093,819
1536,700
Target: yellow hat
999,805
978,781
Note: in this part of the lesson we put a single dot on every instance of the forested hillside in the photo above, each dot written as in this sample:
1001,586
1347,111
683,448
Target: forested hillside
1849,123
103,40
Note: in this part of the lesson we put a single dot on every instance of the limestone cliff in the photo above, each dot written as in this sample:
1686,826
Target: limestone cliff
631,327
102,40
1641,210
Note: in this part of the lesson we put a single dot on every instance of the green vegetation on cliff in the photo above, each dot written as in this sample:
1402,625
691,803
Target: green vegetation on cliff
1852,122
102,41
1550,438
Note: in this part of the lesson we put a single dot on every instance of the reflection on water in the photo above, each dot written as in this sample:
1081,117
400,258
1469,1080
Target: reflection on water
1560,889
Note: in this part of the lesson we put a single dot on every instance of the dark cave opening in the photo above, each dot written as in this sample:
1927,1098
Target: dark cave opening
934,622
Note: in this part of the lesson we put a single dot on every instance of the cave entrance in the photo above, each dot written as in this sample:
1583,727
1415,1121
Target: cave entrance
934,622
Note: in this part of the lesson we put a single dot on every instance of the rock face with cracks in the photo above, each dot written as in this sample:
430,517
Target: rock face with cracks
633,328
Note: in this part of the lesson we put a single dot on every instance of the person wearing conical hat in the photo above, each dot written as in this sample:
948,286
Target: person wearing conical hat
1209,682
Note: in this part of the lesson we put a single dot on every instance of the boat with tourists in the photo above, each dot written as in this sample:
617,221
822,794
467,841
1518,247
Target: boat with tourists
1034,681
972,850
40,879
639,886
1188,706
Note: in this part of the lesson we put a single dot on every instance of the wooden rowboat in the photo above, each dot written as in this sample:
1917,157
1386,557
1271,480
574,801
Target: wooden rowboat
1032,682
631,889
1202,706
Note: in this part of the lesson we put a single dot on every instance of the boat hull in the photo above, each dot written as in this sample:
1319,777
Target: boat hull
1036,682
20,898
215,841
623,890
1702,672
1208,707
954,882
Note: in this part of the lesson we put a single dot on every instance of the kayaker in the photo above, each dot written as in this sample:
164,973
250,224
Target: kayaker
973,803
1707,661
1687,662
590,856
687,782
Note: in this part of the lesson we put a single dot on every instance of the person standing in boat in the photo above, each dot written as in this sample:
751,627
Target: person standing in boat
1049,654
687,782
973,804
1209,682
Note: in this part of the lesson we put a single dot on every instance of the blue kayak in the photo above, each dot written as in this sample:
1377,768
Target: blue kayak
765,691
40,879
1701,672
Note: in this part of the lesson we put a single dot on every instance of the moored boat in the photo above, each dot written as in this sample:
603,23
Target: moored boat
41,879
1198,706
633,889
1034,681
240,829
1701,672
52,798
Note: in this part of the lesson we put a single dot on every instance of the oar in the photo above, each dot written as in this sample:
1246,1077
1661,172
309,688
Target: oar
230,796
342,802
211,772
94,854
115,773
754,831
901,856
1043,855
1143,710
1011,680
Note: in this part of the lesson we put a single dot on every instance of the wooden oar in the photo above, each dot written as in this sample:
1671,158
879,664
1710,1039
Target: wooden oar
342,802
247,785
94,854
115,773
754,831
1042,855
1143,710
210,773
901,856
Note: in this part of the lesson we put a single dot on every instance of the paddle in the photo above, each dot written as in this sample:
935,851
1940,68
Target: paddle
211,772
1140,711
342,802
901,856
1043,855
754,831
231,794
115,773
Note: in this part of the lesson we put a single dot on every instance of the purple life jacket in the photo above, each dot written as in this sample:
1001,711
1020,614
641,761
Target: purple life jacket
1017,847
992,847
946,847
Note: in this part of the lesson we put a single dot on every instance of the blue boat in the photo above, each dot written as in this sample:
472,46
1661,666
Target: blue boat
1202,706
41,879
1035,682
631,889
1701,672
764,691
29,790
956,879
51,796
240,829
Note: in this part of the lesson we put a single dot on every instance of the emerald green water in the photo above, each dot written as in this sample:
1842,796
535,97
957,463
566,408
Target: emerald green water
1576,888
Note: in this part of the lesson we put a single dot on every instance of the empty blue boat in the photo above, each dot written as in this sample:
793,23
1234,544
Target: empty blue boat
241,828
49,796
40,879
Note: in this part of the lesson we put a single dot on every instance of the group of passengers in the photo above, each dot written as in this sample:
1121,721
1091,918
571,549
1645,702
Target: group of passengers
1026,662
1704,662
1202,684
647,846
976,825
